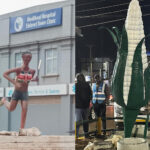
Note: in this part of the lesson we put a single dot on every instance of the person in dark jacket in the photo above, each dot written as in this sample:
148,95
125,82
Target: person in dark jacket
83,96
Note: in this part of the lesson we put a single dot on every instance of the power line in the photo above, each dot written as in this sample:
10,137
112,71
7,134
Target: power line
87,10
89,25
89,16
81,17
146,15
102,7
89,3
145,5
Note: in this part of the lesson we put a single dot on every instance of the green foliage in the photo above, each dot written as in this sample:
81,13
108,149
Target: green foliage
118,34
147,84
117,84
139,82
112,34
136,92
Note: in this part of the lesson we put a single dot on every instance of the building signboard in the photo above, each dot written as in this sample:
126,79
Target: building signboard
72,89
43,90
37,20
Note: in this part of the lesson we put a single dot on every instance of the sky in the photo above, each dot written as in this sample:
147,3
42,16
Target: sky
7,6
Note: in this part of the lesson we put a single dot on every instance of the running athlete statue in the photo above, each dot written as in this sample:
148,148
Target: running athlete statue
24,75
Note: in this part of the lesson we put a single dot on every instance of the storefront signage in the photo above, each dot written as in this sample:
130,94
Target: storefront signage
60,89
37,20
72,89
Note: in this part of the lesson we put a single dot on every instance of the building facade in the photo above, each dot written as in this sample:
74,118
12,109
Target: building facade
48,32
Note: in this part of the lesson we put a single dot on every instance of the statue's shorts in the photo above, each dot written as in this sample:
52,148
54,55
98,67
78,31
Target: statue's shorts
19,95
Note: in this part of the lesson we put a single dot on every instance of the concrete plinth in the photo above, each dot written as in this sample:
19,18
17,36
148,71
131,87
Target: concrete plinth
37,143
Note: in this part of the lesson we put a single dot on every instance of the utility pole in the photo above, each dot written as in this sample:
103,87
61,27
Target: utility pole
91,61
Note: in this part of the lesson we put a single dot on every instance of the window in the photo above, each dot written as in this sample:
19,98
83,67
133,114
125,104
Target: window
18,60
51,61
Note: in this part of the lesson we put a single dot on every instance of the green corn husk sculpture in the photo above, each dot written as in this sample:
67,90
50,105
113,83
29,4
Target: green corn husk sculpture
131,74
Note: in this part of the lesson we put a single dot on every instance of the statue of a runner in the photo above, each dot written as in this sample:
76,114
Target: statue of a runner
24,75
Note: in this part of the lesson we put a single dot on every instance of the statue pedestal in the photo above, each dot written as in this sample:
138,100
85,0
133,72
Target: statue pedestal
132,144
37,142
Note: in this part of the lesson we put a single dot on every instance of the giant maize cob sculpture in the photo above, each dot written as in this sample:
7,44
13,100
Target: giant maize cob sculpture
131,74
